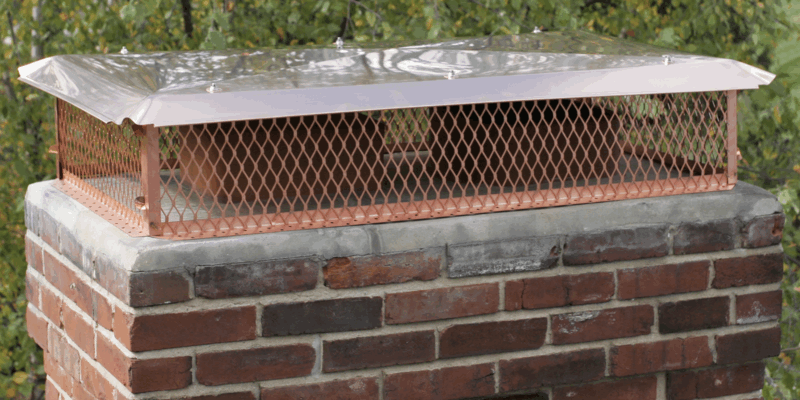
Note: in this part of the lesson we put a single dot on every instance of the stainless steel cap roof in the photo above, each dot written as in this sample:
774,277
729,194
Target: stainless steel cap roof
174,88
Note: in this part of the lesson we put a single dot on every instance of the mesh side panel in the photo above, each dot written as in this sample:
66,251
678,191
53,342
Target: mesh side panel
100,165
354,168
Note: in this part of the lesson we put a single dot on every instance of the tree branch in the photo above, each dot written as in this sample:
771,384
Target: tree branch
13,36
188,27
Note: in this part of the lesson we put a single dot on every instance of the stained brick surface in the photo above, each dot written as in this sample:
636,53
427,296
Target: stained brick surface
160,374
663,280
716,382
37,327
224,396
322,316
758,307
445,303
690,315
644,388
665,355
441,384
550,370
268,277
353,389
753,270
79,329
705,237
32,290
738,348
492,337
351,272
611,323
505,256
763,231
559,291
152,288
251,365
378,351
616,245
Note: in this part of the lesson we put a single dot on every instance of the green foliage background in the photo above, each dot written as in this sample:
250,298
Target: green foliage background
764,33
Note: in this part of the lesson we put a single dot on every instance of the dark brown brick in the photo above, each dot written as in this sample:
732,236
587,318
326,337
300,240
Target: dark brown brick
253,365
616,245
153,288
662,280
351,272
51,306
353,389
492,337
441,384
705,237
338,315
690,315
255,279
611,323
715,382
559,291
225,396
753,270
742,347
667,355
166,331
378,351
552,370
763,231
33,254
444,303
37,326
32,290
644,388
758,307
80,330
526,396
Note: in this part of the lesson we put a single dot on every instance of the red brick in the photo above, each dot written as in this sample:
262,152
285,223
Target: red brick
441,384
644,388
378,351
616,245
57,374
444,303
753,270
353,389
611,323
33,254
224,396
337,315
705,237
68,283
763,231
166,331
146,375
552,370
255,279
32,290
50,391
690,315
37,326
79,330
663,280
667,355
351,272
715,382
64,355
153,288
253,365
113,360
51,306
758,307
526,396
492,337
559,291
742,347
104,311
95,383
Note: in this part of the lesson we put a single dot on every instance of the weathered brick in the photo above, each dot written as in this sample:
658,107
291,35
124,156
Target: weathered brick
68,283
104,311
644,388
763,231
166,331
255,279
705,237
526,396
667,355
49,230
112,278
559,291
552,370
64,355
351,272
441,384
153,288
71,249
616,245
492,337
611,323
225,396
758,307
378,351
51,391
690,315
715,382
444,303
503,256
95,383
32,290
251,365
662,280
322,316
51,306
37,326
144,375
57,374
33,254
353,389
753,270
742,347
79,329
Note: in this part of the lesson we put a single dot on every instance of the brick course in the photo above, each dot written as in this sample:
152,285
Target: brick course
339,315
588,326
429,305
250,365
352,272
378,351
690,315
441,384
662,280
492,337
559,291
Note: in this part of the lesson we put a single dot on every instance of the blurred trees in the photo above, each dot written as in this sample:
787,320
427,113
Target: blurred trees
758,32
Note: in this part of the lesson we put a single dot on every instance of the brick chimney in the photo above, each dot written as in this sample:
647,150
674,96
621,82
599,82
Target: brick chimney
662,298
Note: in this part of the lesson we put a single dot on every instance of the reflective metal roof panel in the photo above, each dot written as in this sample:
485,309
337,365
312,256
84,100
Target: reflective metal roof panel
171,88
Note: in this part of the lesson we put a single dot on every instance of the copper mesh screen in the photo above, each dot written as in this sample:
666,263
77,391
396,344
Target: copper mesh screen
277,174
